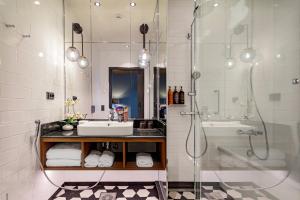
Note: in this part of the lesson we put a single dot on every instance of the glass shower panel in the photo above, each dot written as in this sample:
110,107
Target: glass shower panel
248,96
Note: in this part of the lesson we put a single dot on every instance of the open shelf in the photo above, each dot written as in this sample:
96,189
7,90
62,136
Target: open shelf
124,160
131,162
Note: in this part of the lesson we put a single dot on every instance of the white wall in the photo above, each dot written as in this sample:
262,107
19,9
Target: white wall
180,17
24,79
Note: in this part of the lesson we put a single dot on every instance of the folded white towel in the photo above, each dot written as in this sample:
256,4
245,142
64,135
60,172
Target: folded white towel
93,157
144,160
63,163
69,151
106,159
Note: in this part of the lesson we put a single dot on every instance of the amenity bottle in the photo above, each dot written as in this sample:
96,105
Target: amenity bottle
170,96
175,96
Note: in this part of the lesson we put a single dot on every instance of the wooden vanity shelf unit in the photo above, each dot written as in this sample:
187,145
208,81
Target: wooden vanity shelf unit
124,160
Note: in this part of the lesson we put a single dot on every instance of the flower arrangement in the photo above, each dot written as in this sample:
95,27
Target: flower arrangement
72,116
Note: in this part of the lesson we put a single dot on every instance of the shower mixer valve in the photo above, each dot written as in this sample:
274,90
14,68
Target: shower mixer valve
251,132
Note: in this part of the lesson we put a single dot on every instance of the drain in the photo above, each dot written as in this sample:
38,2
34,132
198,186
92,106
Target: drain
108,196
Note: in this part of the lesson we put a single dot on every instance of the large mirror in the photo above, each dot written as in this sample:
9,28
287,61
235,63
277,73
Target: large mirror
112,41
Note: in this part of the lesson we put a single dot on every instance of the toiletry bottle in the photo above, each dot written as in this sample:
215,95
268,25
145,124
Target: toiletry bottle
170,96
175,96
181,96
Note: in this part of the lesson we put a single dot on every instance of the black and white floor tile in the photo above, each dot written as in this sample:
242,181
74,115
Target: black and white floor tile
215,191
123,191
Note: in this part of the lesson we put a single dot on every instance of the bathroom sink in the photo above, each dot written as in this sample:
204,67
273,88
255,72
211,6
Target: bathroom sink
224,128
105,128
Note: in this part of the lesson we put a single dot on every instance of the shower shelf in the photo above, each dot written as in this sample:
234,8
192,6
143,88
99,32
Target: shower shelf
124,160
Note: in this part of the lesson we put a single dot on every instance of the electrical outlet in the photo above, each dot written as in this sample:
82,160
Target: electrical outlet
50,95
93,108
102,108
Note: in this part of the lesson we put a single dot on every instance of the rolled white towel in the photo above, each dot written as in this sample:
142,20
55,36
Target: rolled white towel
63,163
106,159
68,151
144,160
93,157
89,165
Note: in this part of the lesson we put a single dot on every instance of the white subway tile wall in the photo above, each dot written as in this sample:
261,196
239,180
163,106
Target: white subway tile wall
180,17
28,68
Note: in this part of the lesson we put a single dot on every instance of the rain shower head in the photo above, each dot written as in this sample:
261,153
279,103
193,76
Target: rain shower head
196,75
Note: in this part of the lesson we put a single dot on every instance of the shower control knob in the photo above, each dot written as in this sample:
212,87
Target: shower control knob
295,81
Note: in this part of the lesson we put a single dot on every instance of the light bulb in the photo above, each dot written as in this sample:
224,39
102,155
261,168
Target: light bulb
37,3
230,63
144,58
248,55
132,4
83,62
72,54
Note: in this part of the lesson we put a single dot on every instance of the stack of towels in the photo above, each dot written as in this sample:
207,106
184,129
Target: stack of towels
95,158
144,160
64,155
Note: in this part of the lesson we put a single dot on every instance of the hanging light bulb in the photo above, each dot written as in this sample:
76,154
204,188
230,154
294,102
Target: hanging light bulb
144,55
72,53
144,58
83,62
230,63
248,55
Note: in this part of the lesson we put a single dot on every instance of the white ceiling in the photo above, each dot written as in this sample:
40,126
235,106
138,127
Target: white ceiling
103,21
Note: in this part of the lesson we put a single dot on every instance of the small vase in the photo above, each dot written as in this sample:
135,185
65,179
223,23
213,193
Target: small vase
68,127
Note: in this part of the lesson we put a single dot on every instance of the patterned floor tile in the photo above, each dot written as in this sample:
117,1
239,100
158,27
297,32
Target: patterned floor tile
123,191
216,191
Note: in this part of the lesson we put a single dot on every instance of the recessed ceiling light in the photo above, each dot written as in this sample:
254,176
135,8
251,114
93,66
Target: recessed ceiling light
41,54
97,3
216,4
37,3
132,4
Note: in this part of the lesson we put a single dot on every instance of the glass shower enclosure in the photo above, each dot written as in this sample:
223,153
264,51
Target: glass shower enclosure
247,103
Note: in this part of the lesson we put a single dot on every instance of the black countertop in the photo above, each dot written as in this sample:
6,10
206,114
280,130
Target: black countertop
137,133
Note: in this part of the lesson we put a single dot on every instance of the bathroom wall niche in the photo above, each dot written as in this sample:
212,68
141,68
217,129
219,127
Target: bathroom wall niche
112,39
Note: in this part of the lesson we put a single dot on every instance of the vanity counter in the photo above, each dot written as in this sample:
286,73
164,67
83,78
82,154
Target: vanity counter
137,133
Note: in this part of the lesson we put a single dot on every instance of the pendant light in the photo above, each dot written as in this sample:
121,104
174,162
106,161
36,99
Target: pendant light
248,55
72,53
144,56
230,62
83,62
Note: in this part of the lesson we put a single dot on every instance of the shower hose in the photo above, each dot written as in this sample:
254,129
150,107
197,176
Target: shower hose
37,138
251,150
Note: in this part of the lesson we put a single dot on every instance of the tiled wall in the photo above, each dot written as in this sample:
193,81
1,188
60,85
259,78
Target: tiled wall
28,68
180,17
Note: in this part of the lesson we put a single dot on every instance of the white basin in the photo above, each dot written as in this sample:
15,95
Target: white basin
224,128
105,128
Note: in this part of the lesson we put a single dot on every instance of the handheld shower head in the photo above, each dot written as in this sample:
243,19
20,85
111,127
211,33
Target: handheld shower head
196,75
